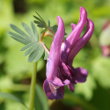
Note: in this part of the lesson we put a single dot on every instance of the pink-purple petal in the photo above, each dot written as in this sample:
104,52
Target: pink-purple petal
52,91
80,75
82,41
75,34
54,55
71,87
73,26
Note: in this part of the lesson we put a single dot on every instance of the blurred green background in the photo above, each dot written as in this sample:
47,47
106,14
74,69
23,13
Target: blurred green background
15,71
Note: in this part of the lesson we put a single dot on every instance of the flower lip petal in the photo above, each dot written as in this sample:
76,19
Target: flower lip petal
57,82
80,75
71,87
53,93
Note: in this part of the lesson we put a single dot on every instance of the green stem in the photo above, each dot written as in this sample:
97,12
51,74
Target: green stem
32,88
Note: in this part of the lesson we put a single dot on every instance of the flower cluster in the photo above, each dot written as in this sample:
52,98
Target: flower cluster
59,70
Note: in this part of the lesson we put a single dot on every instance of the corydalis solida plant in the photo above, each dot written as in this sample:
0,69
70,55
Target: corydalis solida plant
59,71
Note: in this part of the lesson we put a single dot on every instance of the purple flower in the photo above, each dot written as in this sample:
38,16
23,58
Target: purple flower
62,52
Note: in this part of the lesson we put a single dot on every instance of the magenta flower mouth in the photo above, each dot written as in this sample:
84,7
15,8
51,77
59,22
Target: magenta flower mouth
59,71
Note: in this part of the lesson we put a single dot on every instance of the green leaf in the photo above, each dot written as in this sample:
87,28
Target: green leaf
34,31
48,23
27,46
27,28
9,96
17,30
37,54
32,47
46,56
40,21
40,24
40,99
31,35
54,28
37,18
19,38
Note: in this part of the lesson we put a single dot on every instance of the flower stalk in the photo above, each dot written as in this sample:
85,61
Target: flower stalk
32,88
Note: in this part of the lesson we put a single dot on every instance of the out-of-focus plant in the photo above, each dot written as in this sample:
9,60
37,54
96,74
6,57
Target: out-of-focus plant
105,39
